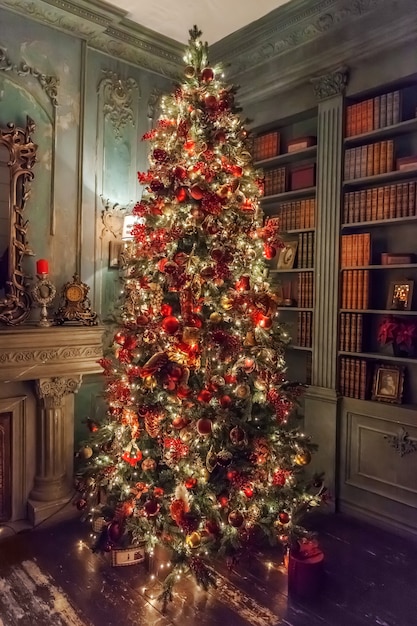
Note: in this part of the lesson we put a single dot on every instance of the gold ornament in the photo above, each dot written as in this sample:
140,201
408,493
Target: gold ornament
302,458
86,452
189,71
242,391
152,425
186,434
226,302
150,382
249,339
193,540
216,317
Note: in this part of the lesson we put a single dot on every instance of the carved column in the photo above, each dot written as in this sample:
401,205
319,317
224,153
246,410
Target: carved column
322,398
52,479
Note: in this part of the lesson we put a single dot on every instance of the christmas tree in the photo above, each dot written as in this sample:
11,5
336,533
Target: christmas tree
196,453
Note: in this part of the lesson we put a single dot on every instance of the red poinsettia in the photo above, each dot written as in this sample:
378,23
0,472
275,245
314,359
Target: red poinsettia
401,333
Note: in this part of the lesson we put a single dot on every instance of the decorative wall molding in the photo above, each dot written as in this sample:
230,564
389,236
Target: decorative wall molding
118,99
106,29
48,83
330,84
54,354
53,390
401,442
154,102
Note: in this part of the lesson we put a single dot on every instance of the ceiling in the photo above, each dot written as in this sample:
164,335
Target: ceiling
216,18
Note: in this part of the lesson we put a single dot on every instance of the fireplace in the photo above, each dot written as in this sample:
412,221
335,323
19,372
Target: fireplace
40,371
5,458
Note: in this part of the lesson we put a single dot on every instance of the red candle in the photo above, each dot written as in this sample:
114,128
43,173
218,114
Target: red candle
42,266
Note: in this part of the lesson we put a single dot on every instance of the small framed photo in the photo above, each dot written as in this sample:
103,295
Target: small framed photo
121,557
115,250
388,384
400,295
287,255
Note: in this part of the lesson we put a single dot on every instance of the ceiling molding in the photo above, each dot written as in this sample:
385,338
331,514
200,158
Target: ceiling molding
106,28
292,25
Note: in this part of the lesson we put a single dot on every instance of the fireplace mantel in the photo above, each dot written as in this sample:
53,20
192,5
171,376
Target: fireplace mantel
48,364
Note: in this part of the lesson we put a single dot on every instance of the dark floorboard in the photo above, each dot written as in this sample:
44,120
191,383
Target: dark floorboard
50,577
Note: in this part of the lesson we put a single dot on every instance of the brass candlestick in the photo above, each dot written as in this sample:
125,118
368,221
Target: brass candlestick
43,293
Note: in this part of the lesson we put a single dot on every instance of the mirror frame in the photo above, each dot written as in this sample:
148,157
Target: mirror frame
15,306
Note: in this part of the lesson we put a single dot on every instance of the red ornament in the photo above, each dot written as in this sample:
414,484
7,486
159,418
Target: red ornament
236,170
170,324
181,194
204,426
212,527
237,435
225,402
189,146
249,365
120,338
114,531
223,500
220,136
93,427
151,507
211,101
207,74
283,517
196,192
132,459
190,483
204,396
235,519
180,172
166,310
81,504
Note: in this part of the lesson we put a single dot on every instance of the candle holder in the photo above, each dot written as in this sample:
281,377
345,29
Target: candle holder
43,293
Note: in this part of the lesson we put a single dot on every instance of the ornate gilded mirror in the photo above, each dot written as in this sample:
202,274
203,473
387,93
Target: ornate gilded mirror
17,157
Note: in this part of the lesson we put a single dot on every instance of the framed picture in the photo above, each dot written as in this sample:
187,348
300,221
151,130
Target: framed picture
287,255
400,295
115,250
388,383
128,556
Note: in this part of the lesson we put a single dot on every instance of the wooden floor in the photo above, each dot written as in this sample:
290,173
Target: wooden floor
50,577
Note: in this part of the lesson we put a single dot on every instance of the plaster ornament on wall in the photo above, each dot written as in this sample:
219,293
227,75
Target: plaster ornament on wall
48,83
331,84
154,103
112,219
53,390
401,442
118,101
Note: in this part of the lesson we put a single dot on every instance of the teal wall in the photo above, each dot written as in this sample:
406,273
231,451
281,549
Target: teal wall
89,149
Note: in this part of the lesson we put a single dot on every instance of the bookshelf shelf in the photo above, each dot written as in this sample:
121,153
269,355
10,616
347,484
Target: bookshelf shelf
302,348
288,157
381,133
377,356
387,177
295,231
375,223
294,308
294,270
396,266
289,195
379,311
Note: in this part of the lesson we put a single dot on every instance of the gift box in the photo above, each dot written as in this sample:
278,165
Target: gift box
306,570
303,176
301,143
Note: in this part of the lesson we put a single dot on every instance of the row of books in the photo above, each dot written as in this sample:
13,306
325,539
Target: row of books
353,380
305,256
304,328
351,332
297,215
355,250
266,146
275,181
369,160
355,289
374,113
380,203
305,290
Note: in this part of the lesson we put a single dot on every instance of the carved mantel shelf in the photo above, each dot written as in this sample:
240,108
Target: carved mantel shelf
32,352
53,360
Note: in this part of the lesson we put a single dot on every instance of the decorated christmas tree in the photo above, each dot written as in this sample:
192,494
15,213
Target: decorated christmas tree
197,452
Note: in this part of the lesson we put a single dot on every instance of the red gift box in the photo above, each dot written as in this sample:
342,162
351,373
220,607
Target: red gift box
303,176
305,570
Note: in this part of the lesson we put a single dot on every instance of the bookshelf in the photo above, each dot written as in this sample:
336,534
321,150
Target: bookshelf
287,154
378,255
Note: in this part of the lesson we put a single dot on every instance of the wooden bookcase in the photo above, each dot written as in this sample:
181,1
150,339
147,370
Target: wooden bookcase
287,155
378,251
